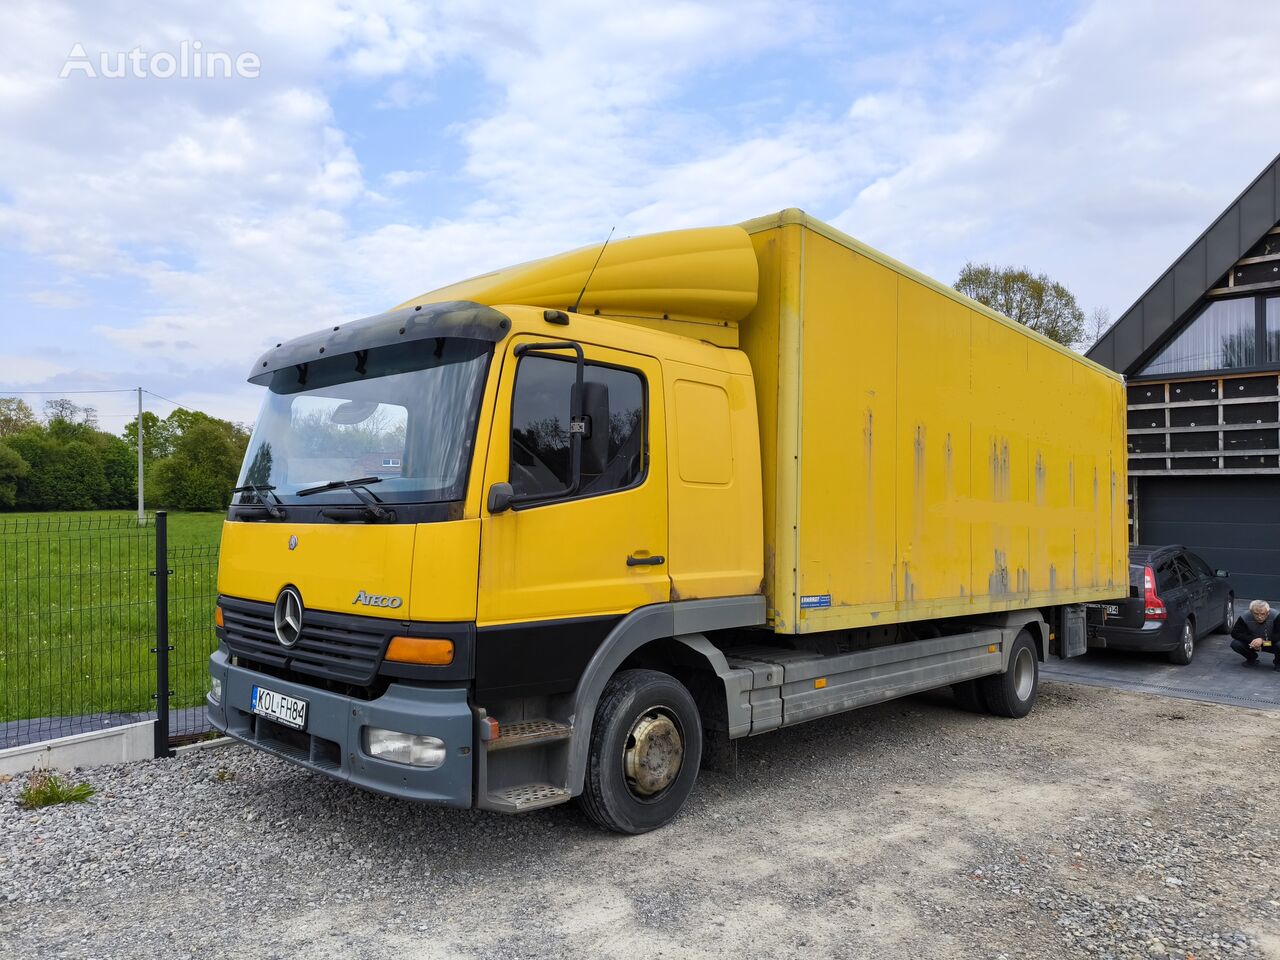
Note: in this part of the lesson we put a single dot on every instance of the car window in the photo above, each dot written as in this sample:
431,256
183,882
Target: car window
1184,570
1166,575
540,447
1199,566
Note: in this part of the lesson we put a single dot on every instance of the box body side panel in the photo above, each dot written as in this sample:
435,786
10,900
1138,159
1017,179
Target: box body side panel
947,464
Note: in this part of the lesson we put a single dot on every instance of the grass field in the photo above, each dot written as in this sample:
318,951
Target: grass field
78,616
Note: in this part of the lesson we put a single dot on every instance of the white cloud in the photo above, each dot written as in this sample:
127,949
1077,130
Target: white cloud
243,209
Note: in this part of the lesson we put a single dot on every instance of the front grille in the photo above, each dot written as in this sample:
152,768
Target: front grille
332,646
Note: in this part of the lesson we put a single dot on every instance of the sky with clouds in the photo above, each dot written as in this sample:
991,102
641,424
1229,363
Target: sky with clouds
162,231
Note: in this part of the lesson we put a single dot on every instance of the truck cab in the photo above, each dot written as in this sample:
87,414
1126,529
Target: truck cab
443,513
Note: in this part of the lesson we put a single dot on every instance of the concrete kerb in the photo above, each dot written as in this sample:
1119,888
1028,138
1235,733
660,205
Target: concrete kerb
123,744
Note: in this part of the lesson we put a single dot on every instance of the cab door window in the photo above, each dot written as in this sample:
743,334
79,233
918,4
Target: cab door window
613,447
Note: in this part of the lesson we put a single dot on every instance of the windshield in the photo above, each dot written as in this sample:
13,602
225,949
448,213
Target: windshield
404,413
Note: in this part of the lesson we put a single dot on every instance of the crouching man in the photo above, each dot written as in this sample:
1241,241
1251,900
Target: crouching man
1254,631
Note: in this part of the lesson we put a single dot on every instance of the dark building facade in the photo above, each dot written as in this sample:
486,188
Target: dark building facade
1201,352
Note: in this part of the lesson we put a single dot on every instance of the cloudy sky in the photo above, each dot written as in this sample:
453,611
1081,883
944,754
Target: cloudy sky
161,231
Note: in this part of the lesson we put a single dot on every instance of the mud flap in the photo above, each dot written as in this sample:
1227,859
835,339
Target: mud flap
1073,638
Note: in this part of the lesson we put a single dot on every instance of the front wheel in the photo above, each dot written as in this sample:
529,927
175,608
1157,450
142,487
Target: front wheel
1013,693
1229,614
646,745
1186,648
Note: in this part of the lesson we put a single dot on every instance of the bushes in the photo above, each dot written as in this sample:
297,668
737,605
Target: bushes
69,464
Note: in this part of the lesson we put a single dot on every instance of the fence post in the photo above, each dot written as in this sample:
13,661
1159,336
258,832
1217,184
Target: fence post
162,647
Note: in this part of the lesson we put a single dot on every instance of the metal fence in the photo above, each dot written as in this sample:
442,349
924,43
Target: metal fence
88,631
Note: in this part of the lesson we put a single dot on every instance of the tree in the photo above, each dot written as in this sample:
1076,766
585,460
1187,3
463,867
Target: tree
15,416
63,475
158,436
66,411
202,470
1040,303
12,469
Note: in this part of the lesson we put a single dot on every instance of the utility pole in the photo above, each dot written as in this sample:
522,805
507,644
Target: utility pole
142,518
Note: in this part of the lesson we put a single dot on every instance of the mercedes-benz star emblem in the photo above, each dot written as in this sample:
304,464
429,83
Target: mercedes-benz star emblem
288,618
293,542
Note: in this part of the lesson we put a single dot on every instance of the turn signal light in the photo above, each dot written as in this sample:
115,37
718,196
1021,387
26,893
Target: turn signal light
427,650
217,616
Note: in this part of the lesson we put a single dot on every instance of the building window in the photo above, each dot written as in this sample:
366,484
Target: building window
1222,337
1273,329
391,461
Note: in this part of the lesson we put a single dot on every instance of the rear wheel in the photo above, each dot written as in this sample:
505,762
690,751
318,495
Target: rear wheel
1013,693
646,745
1186,648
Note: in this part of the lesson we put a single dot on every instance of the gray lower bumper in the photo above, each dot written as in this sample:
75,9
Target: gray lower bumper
331,743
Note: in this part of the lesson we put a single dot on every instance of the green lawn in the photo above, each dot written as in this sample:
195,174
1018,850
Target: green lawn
77,611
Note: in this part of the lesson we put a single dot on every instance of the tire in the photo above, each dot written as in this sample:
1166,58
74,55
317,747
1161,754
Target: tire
969,696
1013,693
1186,648
634,787
1230,614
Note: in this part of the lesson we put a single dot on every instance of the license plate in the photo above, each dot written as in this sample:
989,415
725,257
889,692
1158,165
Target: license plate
1112,609
289,711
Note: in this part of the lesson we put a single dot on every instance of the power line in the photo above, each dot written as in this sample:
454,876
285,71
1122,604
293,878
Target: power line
67,393
167,400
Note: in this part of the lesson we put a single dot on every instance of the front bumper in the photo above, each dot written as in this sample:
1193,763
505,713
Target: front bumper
331,743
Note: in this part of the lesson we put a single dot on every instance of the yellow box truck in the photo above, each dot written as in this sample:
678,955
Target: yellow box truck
573,528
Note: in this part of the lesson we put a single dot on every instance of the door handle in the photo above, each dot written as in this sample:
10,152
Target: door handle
634,561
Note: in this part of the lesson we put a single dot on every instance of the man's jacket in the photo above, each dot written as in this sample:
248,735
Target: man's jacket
1248,629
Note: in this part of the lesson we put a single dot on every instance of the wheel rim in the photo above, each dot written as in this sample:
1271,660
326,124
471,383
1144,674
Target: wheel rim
1024,673
1188,639
654,753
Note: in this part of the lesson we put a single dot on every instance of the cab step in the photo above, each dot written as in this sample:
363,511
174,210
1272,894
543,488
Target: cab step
528,796
527,733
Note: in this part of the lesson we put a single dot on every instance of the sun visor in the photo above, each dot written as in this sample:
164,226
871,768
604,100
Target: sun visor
459,319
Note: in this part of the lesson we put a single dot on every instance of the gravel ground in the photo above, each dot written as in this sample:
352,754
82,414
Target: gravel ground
1107,824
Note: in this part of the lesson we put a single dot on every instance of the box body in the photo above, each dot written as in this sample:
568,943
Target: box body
922,456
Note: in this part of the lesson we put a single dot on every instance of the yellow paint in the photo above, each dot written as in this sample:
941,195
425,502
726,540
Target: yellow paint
445,563
714,483
331,564
923,456
820,683
569,558
697,282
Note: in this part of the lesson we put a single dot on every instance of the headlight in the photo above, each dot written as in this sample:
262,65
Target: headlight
215,689
411,748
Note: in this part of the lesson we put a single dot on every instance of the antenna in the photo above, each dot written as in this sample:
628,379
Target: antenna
577,303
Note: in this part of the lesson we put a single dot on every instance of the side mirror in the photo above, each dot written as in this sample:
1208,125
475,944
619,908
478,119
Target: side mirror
595,442
1221,573
500,497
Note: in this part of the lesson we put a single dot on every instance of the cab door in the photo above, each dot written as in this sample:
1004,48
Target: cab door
597,551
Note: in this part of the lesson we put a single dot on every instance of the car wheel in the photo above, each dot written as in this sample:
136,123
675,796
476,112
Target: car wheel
646,745
1013,693
1186,648
1229,614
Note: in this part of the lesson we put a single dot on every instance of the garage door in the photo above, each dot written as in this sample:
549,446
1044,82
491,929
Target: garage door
1233,522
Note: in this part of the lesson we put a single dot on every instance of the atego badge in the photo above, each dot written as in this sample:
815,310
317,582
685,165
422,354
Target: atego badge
377,600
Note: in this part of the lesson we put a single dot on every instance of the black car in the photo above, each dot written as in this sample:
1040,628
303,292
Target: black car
1174,599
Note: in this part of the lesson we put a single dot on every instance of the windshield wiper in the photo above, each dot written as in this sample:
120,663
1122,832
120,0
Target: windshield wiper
258,489
358,486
